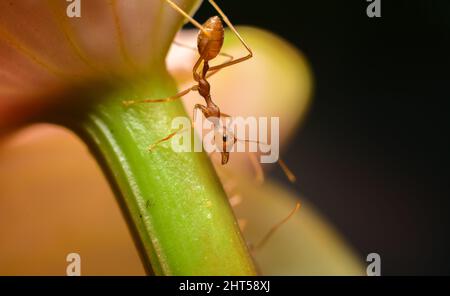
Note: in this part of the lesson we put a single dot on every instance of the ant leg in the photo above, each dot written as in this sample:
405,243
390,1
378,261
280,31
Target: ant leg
229,59
210,73
188,17
230,25
259,172
168,99
194,113
289,174
167,138
275,228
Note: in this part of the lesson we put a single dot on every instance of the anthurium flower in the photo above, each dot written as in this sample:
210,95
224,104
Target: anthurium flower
75,72
46,56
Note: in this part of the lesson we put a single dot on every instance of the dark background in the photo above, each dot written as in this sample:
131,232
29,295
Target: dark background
373,154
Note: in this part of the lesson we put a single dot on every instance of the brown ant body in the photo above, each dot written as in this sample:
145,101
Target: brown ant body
209,45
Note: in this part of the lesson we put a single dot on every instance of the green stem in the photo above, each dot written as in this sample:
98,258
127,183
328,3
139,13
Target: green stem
174,202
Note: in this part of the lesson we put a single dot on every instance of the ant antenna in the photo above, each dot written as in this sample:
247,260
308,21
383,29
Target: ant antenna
191,19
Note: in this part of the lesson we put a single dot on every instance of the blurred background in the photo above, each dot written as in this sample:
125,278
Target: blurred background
373,151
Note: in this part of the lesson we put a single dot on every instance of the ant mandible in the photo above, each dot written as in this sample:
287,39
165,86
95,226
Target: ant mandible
209,44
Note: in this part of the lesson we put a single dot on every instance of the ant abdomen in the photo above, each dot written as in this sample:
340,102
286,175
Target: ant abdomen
210,45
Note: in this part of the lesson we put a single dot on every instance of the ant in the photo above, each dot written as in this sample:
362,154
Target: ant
209,44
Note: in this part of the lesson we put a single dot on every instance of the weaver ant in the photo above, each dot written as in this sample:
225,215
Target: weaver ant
209,44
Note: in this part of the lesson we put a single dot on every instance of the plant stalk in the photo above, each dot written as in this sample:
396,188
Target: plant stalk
173,202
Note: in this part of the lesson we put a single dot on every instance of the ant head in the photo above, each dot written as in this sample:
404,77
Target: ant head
225,157
224,140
